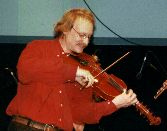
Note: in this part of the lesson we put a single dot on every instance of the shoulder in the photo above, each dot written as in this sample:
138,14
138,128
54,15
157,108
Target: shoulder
42,44
39,42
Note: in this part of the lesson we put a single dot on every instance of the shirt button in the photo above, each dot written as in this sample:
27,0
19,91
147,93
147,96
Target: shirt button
59,119
60,91
62,53
61,105
58,55
108,102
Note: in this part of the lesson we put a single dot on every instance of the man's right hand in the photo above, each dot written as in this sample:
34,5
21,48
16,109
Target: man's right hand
84,77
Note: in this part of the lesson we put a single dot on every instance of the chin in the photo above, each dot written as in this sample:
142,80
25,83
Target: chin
79,51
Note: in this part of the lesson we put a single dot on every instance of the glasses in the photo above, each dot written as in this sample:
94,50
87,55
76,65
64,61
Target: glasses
82,35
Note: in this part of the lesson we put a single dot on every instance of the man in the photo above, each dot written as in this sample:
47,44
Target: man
48,81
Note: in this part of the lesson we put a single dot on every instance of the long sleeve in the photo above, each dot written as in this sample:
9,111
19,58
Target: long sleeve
93,112
37,63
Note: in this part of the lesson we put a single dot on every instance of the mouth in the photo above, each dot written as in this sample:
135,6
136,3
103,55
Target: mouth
79,49
81,45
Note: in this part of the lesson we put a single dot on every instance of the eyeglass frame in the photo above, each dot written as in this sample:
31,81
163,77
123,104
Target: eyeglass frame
82,35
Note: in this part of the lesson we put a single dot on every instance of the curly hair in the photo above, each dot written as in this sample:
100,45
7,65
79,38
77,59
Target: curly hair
68,19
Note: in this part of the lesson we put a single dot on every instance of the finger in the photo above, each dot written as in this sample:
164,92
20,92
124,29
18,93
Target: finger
90,81
124,91
81,81
96,80
130,92
133,96
85,79
134,101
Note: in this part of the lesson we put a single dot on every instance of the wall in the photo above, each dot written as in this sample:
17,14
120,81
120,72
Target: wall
143,22
146,86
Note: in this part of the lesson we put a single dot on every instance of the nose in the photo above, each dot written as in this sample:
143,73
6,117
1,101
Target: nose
86,41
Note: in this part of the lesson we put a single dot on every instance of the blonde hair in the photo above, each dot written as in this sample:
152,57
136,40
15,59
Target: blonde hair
68,19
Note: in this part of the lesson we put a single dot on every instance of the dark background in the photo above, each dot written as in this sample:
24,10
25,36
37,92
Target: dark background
127,119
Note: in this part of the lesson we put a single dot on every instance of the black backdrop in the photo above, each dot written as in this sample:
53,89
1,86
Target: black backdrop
145,86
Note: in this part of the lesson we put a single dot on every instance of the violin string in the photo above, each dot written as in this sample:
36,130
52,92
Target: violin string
115,84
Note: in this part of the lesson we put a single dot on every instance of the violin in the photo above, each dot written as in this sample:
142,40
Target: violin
109,86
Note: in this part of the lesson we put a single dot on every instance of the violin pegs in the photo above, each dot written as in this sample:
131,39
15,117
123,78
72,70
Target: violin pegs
95,57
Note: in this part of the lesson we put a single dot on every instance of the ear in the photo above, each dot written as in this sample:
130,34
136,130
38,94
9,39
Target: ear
66,32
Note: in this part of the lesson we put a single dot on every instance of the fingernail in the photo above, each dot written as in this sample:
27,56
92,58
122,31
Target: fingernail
96,80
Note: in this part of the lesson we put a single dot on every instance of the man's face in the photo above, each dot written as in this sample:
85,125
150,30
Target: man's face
78,37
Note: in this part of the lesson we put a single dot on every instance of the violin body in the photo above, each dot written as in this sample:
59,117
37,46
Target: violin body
109,86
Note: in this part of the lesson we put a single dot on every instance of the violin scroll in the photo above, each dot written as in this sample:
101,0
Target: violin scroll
144,111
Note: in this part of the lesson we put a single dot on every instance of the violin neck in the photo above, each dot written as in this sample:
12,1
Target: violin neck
144,111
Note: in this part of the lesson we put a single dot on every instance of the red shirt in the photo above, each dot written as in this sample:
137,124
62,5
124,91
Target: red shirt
41,93
45,95
84,108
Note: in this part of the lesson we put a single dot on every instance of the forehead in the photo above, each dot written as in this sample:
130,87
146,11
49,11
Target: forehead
83,25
